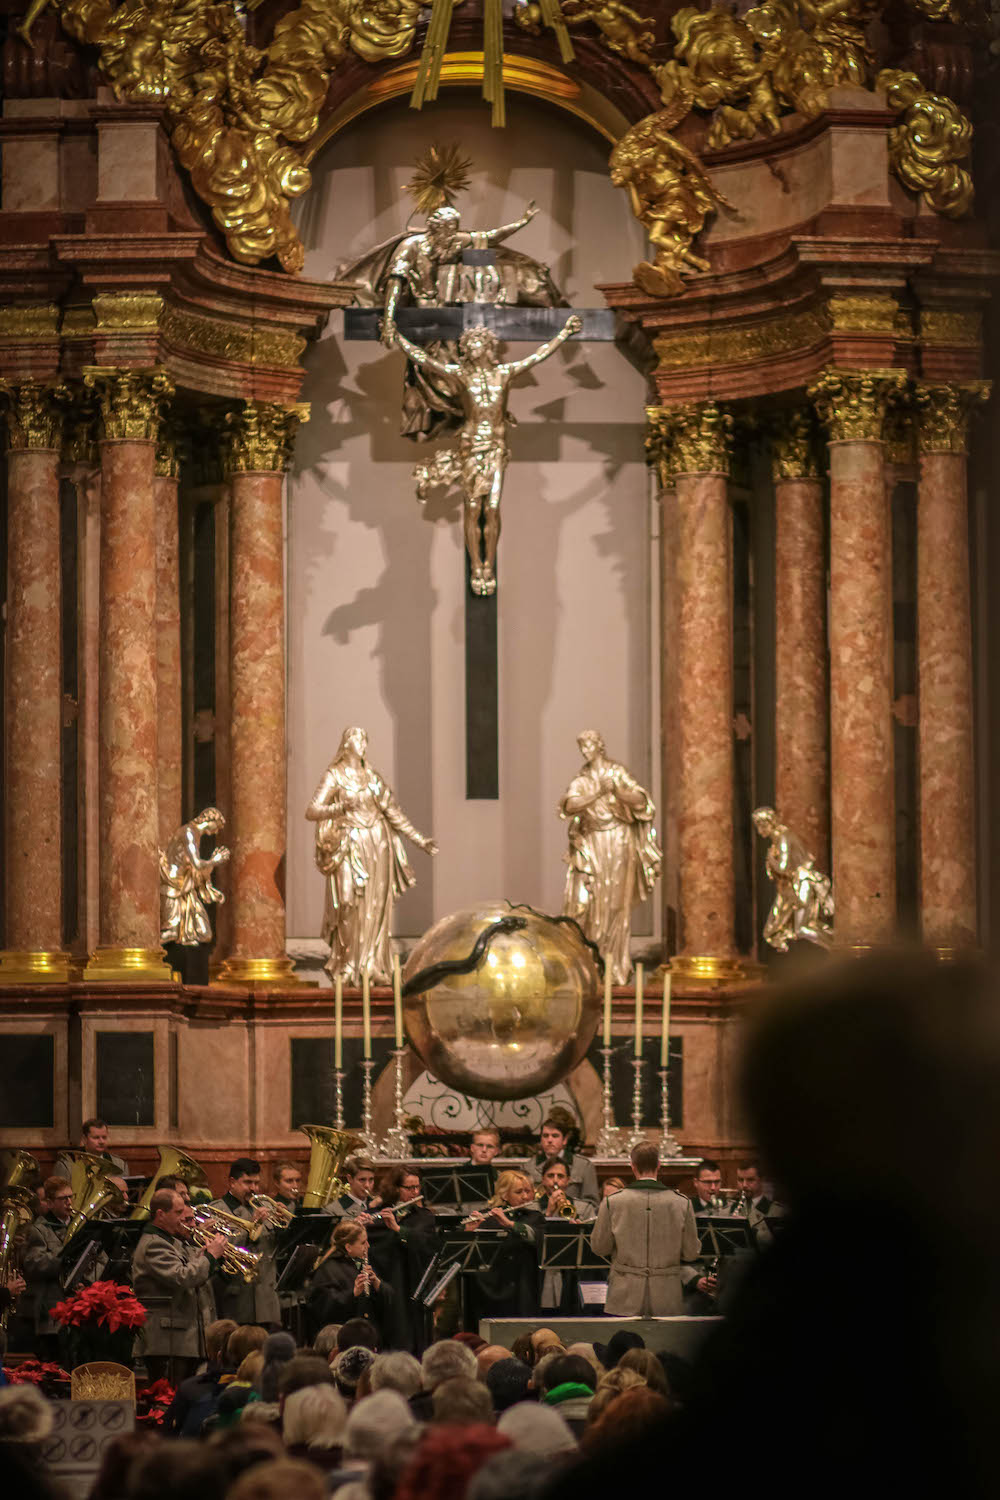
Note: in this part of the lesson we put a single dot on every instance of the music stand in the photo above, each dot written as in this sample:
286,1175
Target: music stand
459,1183
291,1283
304,1226
566,1247
116,1237
84,1263
442,1284
723,1236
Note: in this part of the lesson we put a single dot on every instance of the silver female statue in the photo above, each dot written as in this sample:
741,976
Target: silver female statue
613,854
186,881
359,848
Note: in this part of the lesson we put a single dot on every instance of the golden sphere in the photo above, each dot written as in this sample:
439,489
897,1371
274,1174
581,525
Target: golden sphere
520,1021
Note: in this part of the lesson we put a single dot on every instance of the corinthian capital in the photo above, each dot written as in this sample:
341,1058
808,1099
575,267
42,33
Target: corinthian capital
130,402
35,411
943,413
793,445
852,404
689,439
262,435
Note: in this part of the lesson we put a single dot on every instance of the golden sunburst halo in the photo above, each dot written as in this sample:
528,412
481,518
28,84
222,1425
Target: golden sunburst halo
438,177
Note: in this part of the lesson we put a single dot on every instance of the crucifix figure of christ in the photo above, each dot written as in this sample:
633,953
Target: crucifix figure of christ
478,459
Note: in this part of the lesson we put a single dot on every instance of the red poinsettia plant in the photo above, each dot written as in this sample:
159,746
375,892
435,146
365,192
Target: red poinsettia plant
152,1401
105,1304
51,1379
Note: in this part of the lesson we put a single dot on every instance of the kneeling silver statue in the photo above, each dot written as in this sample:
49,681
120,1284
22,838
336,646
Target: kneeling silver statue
186,881
613,854
803,895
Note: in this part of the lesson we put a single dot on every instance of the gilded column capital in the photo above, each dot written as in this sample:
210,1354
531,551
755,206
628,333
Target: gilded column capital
793,445
943,413
35,412
130,402
261,436
693,438
852,404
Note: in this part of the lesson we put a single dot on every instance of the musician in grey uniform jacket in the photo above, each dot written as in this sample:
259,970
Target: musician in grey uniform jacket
255,1301
648,1230
170,1277
42,1264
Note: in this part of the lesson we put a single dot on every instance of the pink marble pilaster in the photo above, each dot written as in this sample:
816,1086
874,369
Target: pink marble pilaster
168,659
802,750
33,710
862,802
669,748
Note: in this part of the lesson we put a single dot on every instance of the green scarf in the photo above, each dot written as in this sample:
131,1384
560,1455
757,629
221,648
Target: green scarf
570,1390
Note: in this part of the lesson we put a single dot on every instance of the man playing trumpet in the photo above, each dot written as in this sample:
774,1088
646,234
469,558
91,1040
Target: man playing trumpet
256,1301
171,1277
553,1194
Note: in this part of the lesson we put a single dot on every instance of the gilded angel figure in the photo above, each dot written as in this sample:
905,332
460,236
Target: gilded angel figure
186,881
613,855
359,849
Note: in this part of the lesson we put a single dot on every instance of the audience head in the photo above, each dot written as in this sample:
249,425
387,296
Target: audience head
489,1355
568,1369
484,1146
523,1349
25,1415
513,1475
627,1418
349,1366
279,1478
707,1178
58,1198
471,1341
447,1360
539,1430
618,1344
462,1402
446,1459
250,1369
300,1373
182,1469
278,1349
357,1332
379,1419
325,1342
508,1381
243,1341
397,1371
645,1159
359,1172
543,1338
287,1179
646,1364
587,1352
314,1417
609,1388
117,1460
244,1178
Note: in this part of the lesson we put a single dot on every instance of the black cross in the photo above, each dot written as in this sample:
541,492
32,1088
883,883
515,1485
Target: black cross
514,325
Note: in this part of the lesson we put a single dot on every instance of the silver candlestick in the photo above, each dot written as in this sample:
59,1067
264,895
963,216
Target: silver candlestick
368,1141
638,1134
397,1142
338,1098
667,1145
609,1139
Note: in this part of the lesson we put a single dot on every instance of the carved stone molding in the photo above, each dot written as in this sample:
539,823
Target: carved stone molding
35,412
852,404
943,414
691,439
951,325
261,436
130,402
794,445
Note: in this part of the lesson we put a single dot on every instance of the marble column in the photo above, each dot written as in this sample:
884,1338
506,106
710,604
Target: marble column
33,708
852,406
261,438
944,661
697,436
802,747
129,421
658,454
169,718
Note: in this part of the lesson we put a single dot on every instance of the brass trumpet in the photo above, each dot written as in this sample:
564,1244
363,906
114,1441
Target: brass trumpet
566,1212
278,1215
237,1259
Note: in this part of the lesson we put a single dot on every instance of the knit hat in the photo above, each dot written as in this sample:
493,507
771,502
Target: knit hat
349,1366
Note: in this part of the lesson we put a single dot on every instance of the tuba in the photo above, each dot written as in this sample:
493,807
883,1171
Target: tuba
330,1149
18,1169
17,1209
173,1163
236,1259
93,1191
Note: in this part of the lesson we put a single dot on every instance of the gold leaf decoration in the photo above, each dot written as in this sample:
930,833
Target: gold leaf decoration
930,145
438,177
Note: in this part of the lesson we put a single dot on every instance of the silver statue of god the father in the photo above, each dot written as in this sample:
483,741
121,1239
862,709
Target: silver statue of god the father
613,857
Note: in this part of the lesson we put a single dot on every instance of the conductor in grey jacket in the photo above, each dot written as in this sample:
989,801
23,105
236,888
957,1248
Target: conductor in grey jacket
648,1229
170,1275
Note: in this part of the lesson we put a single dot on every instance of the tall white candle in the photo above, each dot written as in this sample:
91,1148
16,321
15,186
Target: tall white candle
665,1023
638,1010
338,1022
397,999
366,1014
607,1004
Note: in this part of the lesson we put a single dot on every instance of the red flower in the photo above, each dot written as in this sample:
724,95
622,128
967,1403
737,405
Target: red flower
51,1379
151,1403
104,1302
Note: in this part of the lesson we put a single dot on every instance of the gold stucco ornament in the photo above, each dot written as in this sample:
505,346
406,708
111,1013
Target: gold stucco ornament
931,144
